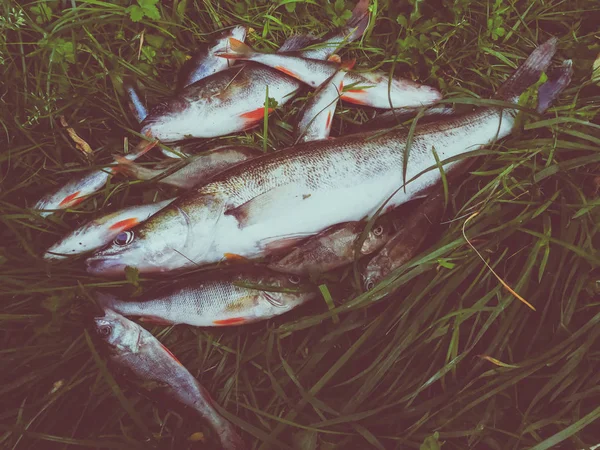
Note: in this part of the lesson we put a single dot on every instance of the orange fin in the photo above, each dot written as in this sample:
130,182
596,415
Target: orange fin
232,321
335,58
286,71
328,123
71,200
125,224
235,257
171,354
351,96
349,64
255,115
238,50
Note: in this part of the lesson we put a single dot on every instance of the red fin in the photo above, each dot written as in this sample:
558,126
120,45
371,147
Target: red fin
125,224
232,321
155,320
286,71
171,354
347,65
255,115
71,200
351,96
235,257
328,123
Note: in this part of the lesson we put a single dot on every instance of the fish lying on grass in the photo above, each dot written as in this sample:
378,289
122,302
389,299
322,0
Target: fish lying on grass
80,187
218,299
300,191
99,232
317,115
409,237
204,62
323,48
369,89
226,102
152,368
199,168
334,247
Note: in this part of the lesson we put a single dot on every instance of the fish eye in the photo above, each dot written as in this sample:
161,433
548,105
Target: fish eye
124,238
378,231
294,279
369,285
104,330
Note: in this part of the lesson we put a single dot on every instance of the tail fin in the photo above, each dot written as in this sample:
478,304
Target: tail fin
296,42
558,80
237,50
529,72
357,24
131,169
136,106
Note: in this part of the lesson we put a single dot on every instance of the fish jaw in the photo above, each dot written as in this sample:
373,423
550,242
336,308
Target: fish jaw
120,334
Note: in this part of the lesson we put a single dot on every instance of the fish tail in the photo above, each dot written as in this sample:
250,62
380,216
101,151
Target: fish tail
529,72
237,50
131,169
296,42
357,24
558,80
348,65
135,103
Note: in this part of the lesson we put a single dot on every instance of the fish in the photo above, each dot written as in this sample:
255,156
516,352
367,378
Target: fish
79,188
198,167
218,298
204,62
412,230
334,247
99,232
317,115
226,102
373,89
139,358
289,194
323,48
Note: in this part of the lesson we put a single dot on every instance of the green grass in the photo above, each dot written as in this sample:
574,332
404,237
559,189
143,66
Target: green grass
359,370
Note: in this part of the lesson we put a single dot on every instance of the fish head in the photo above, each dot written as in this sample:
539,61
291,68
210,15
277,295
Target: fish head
173,238
75,243
376,269
169,121
118,333
380,233
289,290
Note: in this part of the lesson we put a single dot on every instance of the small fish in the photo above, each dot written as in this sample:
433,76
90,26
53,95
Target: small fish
369,89
199,167
226,102
324,48
410,234
99,232
81,187
133,352
204,62
317,114
218,299
334,247
302,190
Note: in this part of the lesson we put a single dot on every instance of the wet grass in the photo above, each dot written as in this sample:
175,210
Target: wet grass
450,352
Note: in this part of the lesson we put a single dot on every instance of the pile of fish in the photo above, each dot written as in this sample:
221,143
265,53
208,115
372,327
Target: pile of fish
317,206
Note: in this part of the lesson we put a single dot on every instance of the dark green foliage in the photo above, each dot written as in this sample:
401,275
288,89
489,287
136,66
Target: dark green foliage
355,370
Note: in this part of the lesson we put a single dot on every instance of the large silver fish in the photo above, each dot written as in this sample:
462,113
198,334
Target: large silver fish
139,356
198,168
301,191
226,102
406,242
373,89
99,232
204,62
218,298
82,186
334,247
317,114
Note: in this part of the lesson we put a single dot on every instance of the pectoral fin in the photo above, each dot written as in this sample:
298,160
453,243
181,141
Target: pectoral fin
271,204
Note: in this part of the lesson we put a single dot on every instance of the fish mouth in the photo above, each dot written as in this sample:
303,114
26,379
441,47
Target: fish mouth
103,265
54,256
